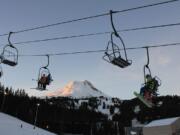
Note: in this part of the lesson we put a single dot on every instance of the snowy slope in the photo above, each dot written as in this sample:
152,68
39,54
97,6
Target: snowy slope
12,126
78,89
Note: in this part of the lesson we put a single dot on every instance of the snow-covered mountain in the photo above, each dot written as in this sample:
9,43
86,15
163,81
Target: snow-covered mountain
78,89
13,126
86,95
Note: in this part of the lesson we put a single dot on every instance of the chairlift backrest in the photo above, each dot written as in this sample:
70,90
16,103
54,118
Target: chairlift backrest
45,71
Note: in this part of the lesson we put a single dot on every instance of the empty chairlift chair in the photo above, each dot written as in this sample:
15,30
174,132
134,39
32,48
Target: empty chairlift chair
9,56
112,52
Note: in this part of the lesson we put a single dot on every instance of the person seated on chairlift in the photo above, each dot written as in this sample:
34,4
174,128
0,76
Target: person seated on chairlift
48,79
150,88
1,73
42,82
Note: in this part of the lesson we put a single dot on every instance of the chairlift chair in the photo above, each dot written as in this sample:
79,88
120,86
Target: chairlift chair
9,56
115,57
44,71
147,71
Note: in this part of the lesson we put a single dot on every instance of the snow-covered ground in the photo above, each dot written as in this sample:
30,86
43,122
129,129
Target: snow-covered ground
13,126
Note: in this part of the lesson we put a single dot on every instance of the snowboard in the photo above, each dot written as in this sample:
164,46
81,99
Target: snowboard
141,98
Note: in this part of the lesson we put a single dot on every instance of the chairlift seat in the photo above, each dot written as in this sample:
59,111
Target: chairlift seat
10,63
120,62
40,89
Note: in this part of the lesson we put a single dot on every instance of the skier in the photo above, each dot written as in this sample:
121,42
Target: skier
42,82
49,79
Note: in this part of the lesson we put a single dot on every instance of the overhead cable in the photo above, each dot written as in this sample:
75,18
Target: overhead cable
90,17
98,51
95,34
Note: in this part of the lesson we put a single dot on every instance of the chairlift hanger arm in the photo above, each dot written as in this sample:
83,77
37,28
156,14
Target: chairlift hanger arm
114,29
9,41
116,34
45,67
48,61
147,65
146,68
147,51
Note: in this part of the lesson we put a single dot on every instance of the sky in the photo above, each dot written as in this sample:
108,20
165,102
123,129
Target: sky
164,62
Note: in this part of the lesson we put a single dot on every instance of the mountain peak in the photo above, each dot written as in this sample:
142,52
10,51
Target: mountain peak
78,89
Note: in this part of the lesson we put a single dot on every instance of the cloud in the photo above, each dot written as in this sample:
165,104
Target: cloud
163,60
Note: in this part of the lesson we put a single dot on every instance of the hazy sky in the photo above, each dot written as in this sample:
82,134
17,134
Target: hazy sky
112,80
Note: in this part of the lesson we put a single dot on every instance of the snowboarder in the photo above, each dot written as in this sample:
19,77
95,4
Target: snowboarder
48,79
150,88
